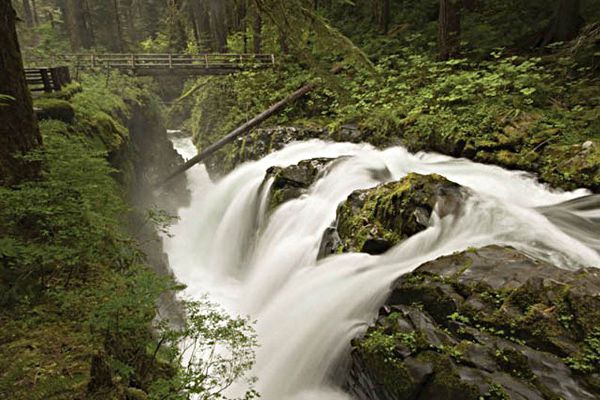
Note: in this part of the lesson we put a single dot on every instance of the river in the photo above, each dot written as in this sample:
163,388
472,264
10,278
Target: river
307,311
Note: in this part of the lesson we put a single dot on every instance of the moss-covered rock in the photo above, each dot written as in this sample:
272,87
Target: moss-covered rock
48,108
374,220
525,142
492,323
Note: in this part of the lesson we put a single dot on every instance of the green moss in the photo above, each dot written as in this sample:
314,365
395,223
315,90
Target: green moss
496,392
66,93
387,214
514,363
445,382
588,361
73,283
54,109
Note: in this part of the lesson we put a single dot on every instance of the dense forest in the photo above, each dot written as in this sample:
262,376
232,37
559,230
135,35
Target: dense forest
403,201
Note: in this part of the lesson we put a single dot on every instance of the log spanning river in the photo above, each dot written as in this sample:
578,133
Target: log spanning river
307,311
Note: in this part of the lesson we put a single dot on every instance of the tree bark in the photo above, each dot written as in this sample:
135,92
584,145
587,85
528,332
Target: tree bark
257,33
385,16
34,13
19,133
202,24
218,22
27,14
117,21
565,23
78,25
449,29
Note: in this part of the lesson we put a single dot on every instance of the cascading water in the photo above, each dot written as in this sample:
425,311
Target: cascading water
308,311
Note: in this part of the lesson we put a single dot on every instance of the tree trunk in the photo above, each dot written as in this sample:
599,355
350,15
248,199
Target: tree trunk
283,43
218,22
449,29
119,29
27,14
565,23
78,25
34,13
257,33
385,16
19,133
202,25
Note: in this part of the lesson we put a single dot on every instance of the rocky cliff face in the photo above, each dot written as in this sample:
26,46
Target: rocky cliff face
489,323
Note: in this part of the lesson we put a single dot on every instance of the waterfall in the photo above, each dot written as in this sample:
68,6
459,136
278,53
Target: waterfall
307,311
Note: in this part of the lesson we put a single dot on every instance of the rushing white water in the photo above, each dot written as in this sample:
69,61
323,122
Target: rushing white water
307,311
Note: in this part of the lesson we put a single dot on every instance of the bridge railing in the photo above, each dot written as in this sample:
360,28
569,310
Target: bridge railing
47,79
171,61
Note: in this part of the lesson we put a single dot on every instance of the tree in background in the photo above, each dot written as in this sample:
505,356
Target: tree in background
79,25
219,23
27,13
566,22
19,133
449,29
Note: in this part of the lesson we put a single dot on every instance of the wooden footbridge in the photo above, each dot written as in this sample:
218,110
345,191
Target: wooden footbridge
169,64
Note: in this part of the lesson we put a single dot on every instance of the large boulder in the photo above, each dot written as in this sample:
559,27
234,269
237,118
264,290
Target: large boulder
293,181
374,220
490,323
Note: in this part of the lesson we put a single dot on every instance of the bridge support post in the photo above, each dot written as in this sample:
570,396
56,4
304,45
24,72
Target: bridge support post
46,80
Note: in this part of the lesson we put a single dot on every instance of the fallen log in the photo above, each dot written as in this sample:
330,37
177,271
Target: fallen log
239,131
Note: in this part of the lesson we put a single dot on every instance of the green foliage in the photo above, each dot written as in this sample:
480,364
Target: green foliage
495,392
588,361
216,351
54,229
5,99
73,284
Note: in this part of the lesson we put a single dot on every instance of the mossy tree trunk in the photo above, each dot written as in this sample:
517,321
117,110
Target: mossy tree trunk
19,133
449,29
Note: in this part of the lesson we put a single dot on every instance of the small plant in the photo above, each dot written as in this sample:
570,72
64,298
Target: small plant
5,99
459,318
495,392
588,361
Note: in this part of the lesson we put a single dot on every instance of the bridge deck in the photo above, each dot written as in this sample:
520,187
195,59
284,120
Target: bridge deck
157,64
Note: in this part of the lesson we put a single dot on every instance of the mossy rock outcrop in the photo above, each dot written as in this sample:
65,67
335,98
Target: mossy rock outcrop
374,220
257,145
293,181
58,109
490,323
560,157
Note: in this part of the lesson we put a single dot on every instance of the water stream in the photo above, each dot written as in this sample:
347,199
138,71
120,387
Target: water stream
307,311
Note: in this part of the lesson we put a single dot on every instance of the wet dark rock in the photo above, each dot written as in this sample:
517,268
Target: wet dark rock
374,220
293,181
491,323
